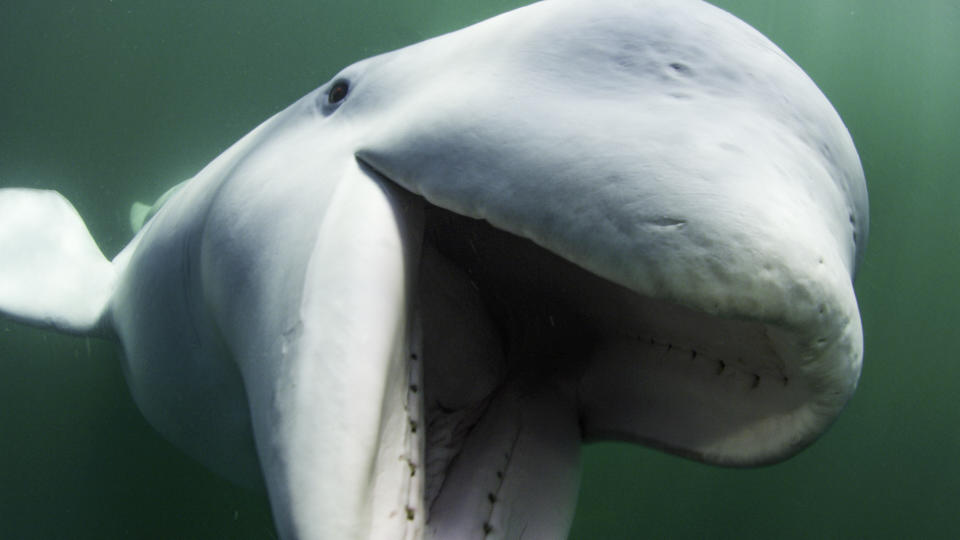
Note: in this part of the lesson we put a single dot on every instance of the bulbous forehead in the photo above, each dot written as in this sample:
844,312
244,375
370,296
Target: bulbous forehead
640,58
571,114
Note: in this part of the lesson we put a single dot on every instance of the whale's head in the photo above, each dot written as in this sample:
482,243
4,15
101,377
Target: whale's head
644,211
651,191
404,302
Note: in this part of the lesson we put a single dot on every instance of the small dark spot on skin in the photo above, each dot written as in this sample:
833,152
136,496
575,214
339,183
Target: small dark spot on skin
682,69
413,427
414,388
625,62
756,381
821,260
825,150
444,409
487,528
413,468
668,223
492,498
721,365
730,147
413,356
410,514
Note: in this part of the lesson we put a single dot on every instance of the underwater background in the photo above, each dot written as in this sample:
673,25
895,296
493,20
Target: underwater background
111,101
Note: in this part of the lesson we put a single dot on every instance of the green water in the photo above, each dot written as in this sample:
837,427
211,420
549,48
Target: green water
111,101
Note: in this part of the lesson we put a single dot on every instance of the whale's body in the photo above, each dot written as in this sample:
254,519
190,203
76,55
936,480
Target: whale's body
402,303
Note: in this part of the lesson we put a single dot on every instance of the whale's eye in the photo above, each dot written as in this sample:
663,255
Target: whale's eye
338,92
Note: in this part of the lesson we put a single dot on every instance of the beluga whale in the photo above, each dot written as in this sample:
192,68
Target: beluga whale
402,304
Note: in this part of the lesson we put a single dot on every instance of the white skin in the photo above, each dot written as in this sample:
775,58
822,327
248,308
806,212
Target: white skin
668,219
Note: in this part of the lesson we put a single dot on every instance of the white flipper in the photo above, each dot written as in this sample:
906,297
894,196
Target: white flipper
52,273
140,213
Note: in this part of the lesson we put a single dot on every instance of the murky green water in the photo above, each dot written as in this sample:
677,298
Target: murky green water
111,101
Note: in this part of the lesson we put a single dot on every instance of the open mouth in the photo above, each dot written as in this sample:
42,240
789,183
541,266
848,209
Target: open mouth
502,316
552,322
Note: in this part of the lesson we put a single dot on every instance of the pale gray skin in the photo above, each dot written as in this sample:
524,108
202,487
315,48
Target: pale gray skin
404,302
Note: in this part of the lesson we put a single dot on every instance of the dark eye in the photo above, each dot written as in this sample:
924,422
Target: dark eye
338,92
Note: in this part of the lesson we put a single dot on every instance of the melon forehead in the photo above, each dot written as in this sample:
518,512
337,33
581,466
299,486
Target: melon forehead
631,109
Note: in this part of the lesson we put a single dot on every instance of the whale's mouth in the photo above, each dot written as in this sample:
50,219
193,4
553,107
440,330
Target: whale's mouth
509,326
500,314
554,321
